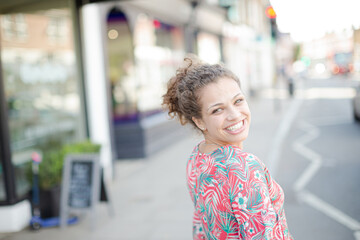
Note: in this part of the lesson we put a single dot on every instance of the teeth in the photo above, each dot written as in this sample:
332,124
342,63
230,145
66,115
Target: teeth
235,127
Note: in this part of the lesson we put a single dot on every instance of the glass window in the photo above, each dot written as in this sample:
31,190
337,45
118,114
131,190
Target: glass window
121,67
208,41
14,27
159,50
57,29
41,85
156,47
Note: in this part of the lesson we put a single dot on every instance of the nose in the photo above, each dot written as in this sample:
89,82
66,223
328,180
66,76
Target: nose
233,114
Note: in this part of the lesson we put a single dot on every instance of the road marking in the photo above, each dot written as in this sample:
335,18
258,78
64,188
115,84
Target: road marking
312,132
281,133
330,211
316,161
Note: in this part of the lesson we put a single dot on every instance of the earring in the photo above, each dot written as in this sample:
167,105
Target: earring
202,129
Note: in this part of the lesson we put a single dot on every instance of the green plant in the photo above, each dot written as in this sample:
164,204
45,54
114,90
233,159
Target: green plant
50,169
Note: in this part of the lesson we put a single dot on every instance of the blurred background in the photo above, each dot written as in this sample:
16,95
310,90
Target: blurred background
94,71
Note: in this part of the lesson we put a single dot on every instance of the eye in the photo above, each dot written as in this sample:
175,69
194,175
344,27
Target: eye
239,100
216,110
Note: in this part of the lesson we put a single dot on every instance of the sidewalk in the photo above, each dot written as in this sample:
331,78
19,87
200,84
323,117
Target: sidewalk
150,196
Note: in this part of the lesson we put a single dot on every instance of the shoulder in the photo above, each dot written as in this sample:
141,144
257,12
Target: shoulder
229,156
236,160
232,155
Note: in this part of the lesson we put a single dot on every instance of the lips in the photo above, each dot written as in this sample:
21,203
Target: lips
236,127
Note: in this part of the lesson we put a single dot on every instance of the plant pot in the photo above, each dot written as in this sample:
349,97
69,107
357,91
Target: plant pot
50,202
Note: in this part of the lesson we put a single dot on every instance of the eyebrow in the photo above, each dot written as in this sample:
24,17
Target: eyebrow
218,104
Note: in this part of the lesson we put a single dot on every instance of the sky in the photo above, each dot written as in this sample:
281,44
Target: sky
309,19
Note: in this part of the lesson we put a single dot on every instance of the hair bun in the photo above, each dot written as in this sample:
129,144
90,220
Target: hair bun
190,62
181,99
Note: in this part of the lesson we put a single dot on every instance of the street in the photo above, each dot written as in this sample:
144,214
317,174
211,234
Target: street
319,161
310,144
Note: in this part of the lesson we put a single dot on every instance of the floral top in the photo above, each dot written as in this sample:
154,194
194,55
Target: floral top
234,196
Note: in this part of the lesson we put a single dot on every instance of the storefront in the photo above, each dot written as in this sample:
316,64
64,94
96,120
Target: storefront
42,104
61,82
143,52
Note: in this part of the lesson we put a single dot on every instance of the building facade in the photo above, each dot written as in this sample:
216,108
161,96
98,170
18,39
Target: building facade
72,71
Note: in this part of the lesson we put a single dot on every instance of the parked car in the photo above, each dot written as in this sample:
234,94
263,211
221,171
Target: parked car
356,104
342,63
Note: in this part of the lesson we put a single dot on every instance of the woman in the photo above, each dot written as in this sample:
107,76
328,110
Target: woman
233,193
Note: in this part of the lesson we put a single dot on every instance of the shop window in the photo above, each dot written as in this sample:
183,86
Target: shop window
156,47
121,68
41,88
57,29
208,41
14,27
159,50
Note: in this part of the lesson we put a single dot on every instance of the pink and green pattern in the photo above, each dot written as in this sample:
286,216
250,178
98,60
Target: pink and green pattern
234,197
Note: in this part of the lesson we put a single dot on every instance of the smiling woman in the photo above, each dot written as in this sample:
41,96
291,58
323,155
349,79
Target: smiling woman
225,113
233,193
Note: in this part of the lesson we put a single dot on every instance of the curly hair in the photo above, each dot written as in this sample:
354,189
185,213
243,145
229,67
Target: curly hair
182,97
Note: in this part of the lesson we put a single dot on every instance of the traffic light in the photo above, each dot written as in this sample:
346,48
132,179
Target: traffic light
271,14
274,29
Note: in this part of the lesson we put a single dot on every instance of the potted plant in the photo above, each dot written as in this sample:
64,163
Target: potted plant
50,174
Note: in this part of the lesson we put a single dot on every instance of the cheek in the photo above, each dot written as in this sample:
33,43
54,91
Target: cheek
246,110
214,122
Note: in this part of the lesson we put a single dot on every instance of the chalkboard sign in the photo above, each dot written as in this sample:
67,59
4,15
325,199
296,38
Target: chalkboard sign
80,185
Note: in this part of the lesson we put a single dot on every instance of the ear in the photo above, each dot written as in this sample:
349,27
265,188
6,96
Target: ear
199,123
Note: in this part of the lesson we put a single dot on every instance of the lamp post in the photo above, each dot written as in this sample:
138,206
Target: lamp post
190,27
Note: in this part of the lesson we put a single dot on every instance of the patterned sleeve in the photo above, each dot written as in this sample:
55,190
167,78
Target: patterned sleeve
198,231
250,199
275,191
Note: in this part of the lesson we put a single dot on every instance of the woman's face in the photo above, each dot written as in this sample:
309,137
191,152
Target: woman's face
225,113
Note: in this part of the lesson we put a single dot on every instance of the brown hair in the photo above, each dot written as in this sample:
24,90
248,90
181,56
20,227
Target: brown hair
181,99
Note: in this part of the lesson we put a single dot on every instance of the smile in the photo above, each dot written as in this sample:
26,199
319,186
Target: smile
236,126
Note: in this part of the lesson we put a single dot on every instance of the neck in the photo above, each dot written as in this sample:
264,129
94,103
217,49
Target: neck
211,143
209,146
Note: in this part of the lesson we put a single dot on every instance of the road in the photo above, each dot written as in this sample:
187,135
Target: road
310,143
316,159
